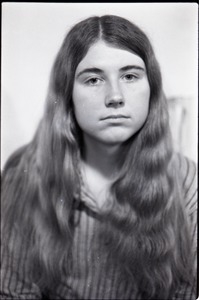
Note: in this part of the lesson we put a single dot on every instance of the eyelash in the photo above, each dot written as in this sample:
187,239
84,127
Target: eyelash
89,81
97,80
133,77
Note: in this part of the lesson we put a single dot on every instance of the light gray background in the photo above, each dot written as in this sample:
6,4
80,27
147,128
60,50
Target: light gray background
33,32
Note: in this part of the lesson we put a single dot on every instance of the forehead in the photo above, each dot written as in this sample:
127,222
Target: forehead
103,55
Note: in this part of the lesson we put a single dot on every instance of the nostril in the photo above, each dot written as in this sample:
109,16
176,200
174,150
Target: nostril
114,102
110,104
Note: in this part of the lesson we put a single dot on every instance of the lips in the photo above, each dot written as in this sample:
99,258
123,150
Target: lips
113,117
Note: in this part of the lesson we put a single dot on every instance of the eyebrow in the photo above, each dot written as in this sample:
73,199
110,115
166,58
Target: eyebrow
90,70
130,67
99,71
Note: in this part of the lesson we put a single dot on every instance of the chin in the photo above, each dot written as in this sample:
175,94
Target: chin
113,141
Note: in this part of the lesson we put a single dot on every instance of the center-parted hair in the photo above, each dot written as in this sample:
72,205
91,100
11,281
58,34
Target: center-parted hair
145,222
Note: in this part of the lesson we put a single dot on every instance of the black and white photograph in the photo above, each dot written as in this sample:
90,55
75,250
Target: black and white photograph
99,151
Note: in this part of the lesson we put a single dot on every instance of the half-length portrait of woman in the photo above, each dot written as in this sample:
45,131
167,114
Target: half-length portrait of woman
100,204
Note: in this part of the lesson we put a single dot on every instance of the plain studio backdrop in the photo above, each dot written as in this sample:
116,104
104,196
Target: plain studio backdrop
32,34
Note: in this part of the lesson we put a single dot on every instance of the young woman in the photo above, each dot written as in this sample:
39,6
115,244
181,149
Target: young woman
98,205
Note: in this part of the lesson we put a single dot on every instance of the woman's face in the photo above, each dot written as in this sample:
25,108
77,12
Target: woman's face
110,94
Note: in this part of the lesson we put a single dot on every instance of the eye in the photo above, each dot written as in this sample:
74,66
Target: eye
130,77
93,81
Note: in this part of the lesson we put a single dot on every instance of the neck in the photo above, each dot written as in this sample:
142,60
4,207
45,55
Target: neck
102,158
100,165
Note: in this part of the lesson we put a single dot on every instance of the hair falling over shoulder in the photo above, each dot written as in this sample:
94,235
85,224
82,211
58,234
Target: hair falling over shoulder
146,225
147,228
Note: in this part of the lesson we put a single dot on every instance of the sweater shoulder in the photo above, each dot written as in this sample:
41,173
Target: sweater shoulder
186,171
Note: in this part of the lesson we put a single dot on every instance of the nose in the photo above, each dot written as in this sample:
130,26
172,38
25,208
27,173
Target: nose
114,97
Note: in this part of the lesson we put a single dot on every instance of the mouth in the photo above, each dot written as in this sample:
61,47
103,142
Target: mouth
114,117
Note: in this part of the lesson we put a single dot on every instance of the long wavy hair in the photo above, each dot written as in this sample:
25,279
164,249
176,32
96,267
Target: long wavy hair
146,223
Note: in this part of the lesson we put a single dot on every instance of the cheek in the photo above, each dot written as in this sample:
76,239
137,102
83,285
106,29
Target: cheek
86,103
80,98
140,105
82,109
79,104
